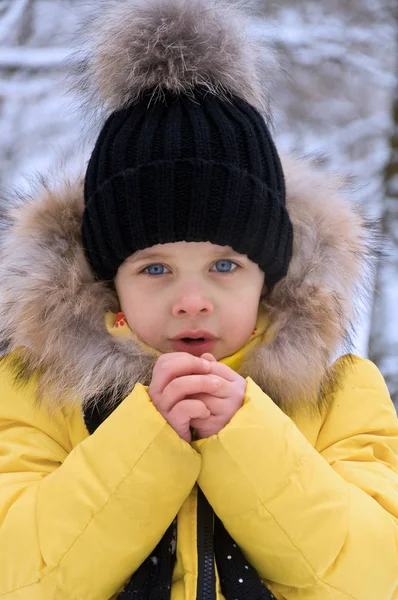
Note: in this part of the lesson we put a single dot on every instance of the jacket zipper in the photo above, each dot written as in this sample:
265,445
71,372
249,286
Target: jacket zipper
206,585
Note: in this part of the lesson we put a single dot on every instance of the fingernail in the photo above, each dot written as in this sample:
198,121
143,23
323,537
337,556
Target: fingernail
215,381
206,363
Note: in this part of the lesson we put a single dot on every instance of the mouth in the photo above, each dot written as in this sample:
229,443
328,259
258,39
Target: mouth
194,342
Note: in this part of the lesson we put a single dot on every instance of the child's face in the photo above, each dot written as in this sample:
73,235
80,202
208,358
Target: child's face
177,292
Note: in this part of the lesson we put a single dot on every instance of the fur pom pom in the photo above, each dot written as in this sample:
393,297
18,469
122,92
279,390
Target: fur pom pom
131,47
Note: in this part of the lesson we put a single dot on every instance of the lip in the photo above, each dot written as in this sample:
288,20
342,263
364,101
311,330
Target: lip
195,334
197,348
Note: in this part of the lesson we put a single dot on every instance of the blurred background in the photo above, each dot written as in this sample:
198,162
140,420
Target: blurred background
335,99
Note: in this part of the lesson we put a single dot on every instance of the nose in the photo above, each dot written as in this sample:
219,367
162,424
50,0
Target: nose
192,302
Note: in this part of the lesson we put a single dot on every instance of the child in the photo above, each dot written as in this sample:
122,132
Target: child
168,331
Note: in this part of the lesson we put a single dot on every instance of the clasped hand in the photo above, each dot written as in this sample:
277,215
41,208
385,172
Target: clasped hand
195,392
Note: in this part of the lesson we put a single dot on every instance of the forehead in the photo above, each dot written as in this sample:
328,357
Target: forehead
183,249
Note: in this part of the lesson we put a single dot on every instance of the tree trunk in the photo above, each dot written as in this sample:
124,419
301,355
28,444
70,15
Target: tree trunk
383,342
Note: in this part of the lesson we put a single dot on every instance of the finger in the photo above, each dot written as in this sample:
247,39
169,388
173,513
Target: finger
176,364
184,387
209,357
181,415
188,409
200,424
216,406
218,368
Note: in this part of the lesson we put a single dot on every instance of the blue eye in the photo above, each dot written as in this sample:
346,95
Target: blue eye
155,269
224,266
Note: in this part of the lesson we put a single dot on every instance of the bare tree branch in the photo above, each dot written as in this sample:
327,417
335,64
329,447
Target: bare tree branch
16,21
33,58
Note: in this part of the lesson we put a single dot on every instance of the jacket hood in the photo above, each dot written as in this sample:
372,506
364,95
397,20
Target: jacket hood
51,304
52,307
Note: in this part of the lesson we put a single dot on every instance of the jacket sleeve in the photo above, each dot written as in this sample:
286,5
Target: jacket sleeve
76,522
317,523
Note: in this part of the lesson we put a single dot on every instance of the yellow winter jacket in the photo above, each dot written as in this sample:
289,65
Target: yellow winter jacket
313,502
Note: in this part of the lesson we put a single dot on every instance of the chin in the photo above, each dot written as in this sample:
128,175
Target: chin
219,354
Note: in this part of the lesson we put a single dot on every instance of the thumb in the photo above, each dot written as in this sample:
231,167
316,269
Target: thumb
209,357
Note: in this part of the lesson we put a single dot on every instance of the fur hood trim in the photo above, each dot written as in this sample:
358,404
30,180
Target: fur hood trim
129,47
52,306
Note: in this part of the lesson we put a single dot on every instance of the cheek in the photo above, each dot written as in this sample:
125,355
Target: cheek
143,316
247,312
130,303
243,314
135,308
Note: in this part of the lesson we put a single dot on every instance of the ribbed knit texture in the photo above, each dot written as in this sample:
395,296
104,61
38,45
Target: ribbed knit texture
196,168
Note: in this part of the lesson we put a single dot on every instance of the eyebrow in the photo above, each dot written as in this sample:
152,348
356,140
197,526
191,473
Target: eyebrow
156,254
144,254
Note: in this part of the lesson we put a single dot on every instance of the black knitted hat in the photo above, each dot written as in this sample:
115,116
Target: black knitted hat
189,168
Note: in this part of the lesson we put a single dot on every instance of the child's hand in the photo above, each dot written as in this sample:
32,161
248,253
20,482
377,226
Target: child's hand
223,403
177,378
